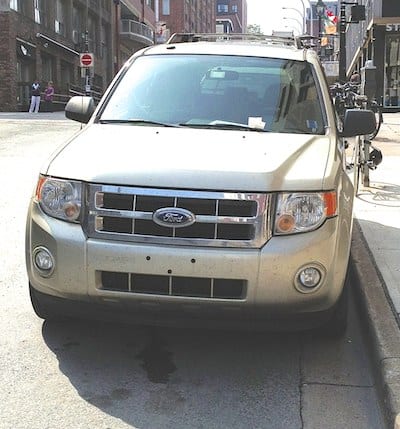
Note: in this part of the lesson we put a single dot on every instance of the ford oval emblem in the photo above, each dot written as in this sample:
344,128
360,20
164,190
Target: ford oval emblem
173,217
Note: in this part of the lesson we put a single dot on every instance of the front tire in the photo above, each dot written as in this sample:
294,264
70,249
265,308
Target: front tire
43,310
337,324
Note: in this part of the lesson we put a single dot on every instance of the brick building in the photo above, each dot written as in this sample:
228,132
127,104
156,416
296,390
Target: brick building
183,16
44,38
231,16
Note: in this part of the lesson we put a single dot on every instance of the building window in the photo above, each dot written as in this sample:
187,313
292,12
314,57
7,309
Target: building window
234,8
77,26
222,8
165,7
104,42
59,25
15,5
93,35
39,12
38,6
47,68
67,76
392,72
106,5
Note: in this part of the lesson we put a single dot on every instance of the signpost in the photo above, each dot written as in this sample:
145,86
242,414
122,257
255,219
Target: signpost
86,59
357,14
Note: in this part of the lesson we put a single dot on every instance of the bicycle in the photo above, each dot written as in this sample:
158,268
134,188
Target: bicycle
346,96
369,157
365,156
377,108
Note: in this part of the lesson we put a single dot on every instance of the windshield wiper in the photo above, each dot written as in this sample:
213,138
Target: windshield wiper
223,125
136,122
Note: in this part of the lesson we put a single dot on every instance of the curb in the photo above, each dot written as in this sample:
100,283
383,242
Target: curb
381,325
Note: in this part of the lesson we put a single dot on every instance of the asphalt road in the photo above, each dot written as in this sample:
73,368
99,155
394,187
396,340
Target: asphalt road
111,376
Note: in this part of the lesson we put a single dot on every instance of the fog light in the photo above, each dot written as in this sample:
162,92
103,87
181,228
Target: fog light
309,278
43,260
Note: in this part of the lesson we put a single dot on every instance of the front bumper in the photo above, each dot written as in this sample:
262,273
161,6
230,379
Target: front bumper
269,274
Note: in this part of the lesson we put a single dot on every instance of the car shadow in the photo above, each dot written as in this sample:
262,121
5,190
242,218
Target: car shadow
154,377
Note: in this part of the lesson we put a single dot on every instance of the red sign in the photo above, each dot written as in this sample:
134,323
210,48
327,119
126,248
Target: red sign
86,60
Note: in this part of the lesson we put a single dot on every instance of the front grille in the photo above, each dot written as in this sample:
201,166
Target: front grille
220,219
193,287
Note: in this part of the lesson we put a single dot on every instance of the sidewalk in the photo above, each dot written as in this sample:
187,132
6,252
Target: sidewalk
41,116
376,262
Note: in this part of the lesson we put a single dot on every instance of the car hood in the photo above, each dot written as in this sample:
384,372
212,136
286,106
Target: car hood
188,158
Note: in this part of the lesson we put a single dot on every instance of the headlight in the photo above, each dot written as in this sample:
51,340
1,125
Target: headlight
58,198
301,212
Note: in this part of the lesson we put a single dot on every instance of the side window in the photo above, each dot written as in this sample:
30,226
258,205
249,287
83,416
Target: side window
302,110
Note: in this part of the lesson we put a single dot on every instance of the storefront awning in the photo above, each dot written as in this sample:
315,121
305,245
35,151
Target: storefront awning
54,42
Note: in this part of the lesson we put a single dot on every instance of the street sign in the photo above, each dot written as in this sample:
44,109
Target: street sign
86,59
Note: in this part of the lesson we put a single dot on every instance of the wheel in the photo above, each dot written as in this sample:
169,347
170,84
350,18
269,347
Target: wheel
365,149
337,324
379,120
361,168
356,165
43,310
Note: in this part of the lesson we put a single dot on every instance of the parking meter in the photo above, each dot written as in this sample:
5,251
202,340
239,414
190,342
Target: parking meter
368,80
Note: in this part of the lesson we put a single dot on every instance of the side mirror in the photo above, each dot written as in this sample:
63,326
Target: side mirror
80,109
358,122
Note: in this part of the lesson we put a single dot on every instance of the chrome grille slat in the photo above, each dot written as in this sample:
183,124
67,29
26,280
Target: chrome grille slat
121,214
222,219
216,224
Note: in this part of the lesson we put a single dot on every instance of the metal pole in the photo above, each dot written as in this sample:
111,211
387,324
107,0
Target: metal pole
319,27
342,44
87,71
302,16
116,36
311,20
296,20
157,10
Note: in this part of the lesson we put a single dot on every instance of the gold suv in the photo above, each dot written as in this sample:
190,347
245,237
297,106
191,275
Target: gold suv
208,187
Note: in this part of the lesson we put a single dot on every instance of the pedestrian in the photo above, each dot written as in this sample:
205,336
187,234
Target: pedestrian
355,77
48,96
35,97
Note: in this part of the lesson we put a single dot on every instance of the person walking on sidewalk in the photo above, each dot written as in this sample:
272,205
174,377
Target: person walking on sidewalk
35,97
48,97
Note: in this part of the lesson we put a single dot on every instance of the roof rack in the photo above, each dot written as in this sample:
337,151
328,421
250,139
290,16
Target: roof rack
308,41
222,37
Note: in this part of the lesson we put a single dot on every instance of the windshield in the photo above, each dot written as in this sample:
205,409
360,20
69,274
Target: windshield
218,91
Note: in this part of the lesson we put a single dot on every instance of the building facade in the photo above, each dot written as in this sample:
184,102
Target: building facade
134,27
185,16
43,39
377,40
231,16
